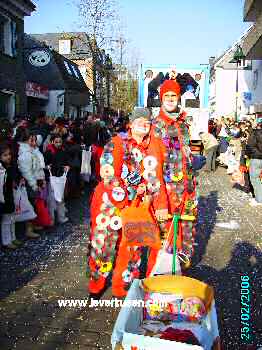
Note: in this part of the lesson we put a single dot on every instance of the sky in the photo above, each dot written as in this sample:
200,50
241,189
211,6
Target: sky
159,32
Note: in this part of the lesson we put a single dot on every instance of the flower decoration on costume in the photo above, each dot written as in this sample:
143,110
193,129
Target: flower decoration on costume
106,267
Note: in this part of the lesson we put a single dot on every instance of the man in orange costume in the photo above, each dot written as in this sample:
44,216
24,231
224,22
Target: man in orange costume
170,127
131,168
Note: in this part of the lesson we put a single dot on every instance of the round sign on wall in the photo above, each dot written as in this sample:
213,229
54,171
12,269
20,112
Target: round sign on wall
39,58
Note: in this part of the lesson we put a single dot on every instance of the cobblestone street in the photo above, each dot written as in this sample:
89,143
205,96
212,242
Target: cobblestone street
43,271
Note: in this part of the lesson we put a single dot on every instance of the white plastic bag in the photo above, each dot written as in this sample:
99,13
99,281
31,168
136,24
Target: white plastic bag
24,210
164,260
58,186
86,162
2,183
164,263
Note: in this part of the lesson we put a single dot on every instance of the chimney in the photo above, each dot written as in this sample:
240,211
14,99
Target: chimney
212,60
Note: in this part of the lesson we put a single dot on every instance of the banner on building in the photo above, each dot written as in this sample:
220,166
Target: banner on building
36,90
194,82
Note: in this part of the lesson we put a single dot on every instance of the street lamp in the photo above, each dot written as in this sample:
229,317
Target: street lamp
237,58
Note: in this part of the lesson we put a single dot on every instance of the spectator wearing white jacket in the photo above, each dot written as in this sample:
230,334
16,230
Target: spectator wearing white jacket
31,165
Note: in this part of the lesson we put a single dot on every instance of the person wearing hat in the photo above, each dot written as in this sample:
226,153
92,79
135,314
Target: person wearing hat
131,170
170,127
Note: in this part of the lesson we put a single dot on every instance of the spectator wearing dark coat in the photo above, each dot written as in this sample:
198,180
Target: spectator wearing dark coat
12,178
254,152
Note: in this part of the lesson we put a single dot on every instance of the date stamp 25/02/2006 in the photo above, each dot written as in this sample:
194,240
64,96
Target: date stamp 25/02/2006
245,299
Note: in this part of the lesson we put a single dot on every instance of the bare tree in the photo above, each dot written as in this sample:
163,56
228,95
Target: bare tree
97,18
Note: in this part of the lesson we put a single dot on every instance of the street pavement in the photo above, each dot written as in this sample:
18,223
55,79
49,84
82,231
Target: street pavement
34,277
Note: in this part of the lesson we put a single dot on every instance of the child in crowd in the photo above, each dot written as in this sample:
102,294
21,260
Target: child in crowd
31,164
57,159
12,178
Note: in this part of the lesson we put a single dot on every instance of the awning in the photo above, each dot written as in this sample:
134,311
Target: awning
252,44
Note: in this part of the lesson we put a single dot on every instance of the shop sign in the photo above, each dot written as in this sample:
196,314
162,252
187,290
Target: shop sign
36,90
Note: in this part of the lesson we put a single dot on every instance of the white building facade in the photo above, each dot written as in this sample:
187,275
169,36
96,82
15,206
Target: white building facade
223,99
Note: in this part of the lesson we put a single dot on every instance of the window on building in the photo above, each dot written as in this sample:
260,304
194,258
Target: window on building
255,79
65,47
7,105
68,68
8,36
246,64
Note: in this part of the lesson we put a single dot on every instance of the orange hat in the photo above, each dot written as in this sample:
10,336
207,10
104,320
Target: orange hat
169,85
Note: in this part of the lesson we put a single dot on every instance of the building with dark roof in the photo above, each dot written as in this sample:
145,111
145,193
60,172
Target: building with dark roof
12,77
54,82
94,67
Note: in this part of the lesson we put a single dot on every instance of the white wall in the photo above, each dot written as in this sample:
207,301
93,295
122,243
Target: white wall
225,89
54,107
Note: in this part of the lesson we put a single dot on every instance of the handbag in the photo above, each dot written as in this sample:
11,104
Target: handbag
139,226
58,185
24,211
43,216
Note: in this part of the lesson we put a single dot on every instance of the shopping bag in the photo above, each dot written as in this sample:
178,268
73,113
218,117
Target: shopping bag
164,263
58,185
43,216
139,226
86,162
2,183
23,208
164,260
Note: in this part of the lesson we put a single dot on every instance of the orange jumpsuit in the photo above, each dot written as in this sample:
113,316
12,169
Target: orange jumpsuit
178,174
127,165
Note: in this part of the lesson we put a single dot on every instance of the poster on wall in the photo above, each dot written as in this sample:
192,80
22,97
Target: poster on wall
194,82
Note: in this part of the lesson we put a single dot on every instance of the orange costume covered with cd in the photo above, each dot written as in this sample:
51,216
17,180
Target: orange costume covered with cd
131,168
170,127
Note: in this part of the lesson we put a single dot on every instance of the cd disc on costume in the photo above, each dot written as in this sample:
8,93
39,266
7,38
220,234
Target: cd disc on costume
125,171
137,155
153,187
132,193
149,175
150,163
97,244
127,276
118,194
109,211
106,158
107,171
105,197
100,239
102,221
116,223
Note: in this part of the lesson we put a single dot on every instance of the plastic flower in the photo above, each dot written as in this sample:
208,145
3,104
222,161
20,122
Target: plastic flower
178,177
106,267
